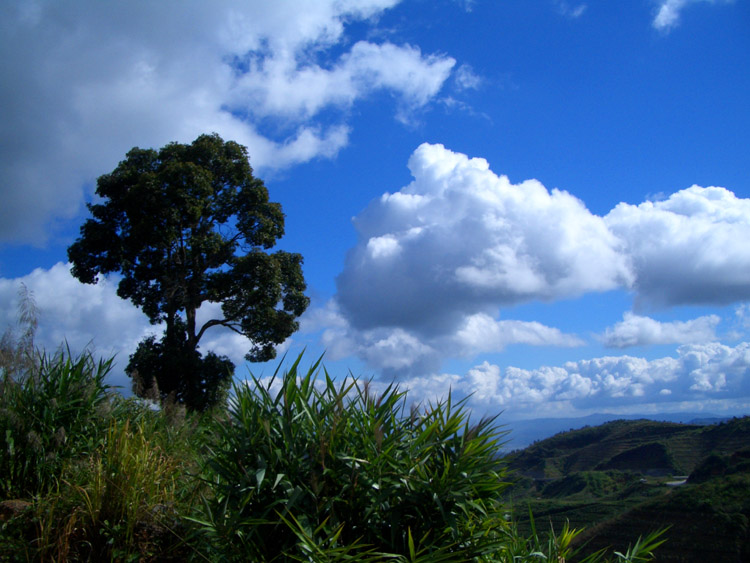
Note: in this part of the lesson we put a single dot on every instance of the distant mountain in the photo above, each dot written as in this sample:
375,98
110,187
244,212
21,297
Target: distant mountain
643,445
627,478
525,432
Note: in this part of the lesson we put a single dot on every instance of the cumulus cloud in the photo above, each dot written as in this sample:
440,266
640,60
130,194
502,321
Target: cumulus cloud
669,11
635,330
688,249
481,333
86,81
399,352
438,260
700,377
83,316
700,372
460,240
93,317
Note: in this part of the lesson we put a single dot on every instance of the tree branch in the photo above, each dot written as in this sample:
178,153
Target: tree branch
216,322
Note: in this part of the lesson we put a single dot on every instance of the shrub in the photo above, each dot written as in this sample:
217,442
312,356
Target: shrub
121,501
48,416
304,467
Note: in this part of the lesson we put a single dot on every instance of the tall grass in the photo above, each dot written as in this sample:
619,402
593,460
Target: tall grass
17,352
315,463
558,546
84,474
47,417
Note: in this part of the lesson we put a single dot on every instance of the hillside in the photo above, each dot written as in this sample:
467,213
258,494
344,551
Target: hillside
625,479
523,433
645,446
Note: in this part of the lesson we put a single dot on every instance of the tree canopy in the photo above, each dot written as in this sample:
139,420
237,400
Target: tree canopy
186,225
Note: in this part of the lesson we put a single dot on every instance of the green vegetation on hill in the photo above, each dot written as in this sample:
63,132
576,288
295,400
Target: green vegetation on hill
621,480
640,445
708,522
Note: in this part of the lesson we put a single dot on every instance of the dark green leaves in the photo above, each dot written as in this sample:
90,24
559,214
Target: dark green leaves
190,224
305,465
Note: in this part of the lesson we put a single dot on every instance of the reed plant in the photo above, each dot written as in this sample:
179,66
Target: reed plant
119,504
47,417
302,462
86,475
561,546
125,501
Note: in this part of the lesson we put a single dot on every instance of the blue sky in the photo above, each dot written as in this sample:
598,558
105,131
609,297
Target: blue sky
542,204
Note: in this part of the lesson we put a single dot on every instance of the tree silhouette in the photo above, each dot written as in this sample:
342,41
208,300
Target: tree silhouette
183,226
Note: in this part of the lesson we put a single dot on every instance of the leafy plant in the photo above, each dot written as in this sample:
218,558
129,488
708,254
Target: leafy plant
560,547
48,416
123,497
302,462
298,468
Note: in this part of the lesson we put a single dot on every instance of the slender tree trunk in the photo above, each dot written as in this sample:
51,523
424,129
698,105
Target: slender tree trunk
190,315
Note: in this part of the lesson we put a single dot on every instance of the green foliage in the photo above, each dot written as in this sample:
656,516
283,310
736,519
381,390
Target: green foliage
297,469
124,496
589,484
190,224
302,463
707,517
158,371
48,417
561,547
636,445
122,500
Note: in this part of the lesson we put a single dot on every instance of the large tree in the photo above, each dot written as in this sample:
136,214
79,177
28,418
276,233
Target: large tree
185,225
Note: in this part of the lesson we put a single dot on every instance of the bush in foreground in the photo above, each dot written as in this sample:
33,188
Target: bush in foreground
307,469
305,466
47,417
84,474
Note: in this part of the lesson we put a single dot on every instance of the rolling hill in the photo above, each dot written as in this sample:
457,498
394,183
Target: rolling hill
626,478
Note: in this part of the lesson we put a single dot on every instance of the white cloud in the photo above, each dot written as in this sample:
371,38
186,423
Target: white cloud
464,241
742,315
398,352
709,373
393,351
436,261
94,317
85,81
481,333
635,330
669,11
83,316
570,11
466,78
280,86
687,249
460,240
